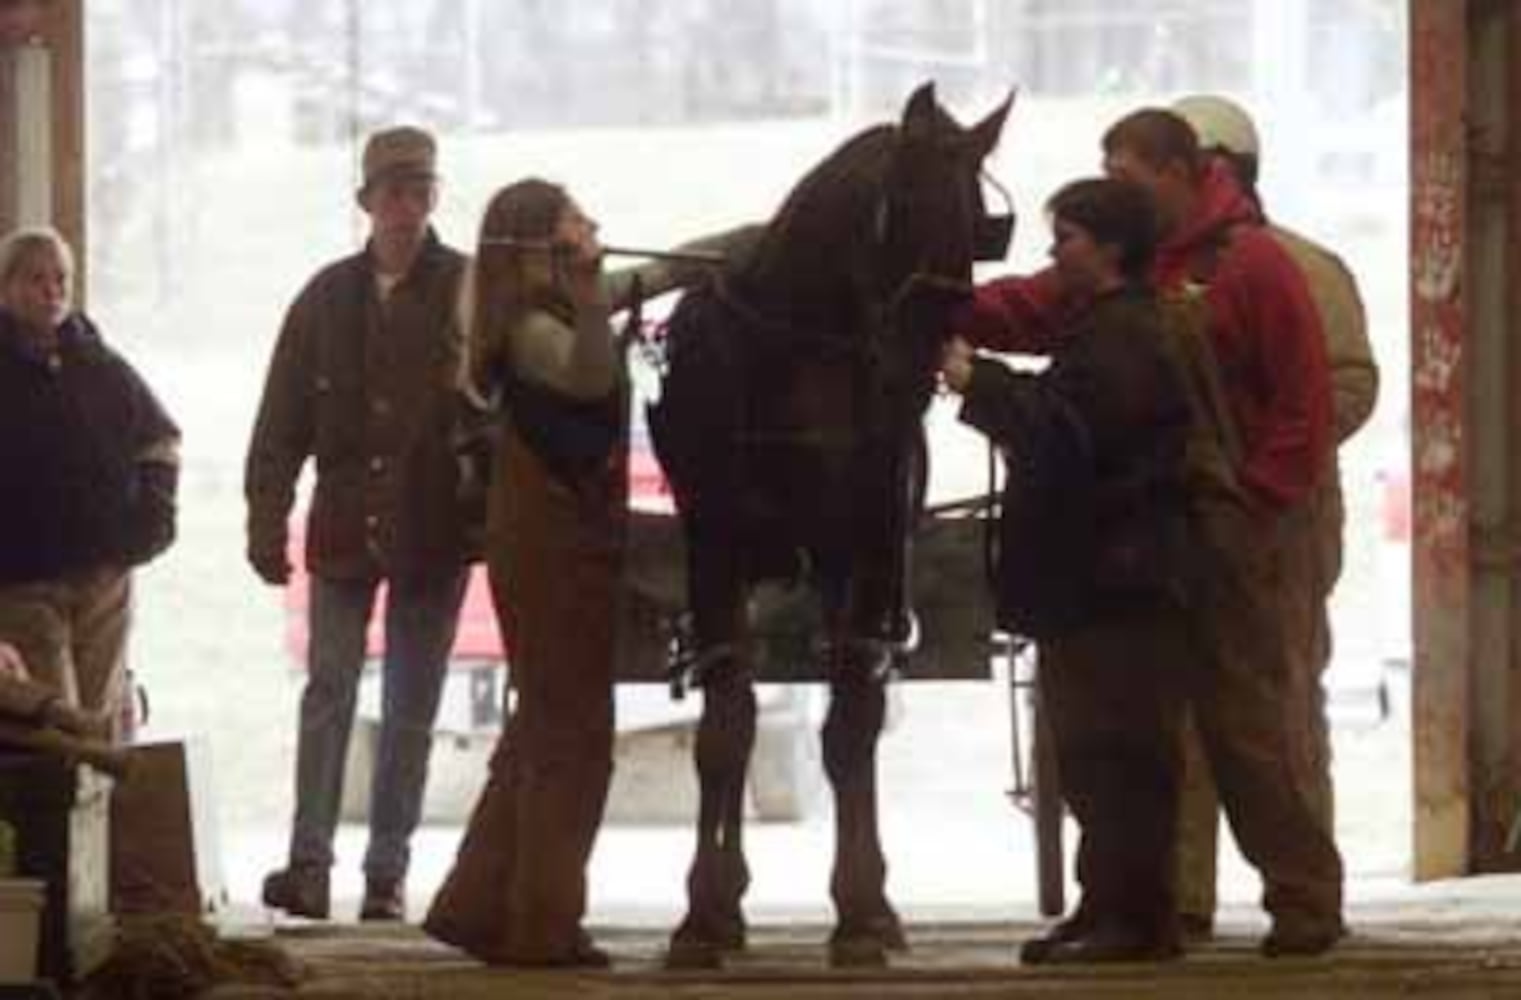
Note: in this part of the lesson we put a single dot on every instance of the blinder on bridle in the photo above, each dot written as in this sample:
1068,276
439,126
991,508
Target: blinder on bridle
992,233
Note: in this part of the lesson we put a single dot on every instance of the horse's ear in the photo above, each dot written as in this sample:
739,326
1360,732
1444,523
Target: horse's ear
984,135
922,109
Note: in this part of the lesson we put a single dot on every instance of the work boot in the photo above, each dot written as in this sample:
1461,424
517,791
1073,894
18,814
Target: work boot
1302,937
1038,949
301,892
384,899
1113,942
1197,928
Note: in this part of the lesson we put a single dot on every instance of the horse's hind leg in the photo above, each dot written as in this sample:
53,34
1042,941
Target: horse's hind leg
867,927
719,876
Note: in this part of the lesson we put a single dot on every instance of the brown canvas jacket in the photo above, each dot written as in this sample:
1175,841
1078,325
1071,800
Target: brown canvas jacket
369,392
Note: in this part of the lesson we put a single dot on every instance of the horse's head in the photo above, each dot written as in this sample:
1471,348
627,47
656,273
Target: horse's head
932,223
933,220
876,243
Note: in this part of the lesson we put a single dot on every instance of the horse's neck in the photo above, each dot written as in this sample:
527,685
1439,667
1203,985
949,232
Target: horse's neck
811,290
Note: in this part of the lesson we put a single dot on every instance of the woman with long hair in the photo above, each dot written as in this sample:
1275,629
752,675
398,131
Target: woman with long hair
541,350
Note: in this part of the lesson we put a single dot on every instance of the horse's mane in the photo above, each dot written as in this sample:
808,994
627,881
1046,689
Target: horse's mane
824,221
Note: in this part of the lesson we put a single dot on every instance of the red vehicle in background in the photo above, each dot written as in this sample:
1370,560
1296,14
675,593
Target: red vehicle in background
477,642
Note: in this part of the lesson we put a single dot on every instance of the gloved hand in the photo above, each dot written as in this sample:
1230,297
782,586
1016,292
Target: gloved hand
268,559
150,527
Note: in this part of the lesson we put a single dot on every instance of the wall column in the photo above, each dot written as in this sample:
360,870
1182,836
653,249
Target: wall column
1440,437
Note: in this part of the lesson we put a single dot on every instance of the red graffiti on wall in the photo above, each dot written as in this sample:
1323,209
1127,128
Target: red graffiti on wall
1438,227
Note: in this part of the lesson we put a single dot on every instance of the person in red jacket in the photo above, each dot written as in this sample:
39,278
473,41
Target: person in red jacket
1266,336
1227,133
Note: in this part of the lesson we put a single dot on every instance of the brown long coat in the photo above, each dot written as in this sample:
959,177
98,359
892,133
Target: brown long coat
555,550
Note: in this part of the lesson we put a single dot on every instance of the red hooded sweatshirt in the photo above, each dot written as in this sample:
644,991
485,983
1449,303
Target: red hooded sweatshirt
1263,323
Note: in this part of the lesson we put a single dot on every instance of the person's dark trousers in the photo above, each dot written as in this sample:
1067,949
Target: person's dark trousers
1113,696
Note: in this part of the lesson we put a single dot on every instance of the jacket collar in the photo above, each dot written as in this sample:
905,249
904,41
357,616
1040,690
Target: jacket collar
76,335
1082,318
428,256
1222,204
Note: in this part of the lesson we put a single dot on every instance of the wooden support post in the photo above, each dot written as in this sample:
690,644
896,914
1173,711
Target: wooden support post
10,158
1440,437
42,170
65,41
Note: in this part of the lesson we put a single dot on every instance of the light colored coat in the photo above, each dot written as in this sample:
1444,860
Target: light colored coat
1354,373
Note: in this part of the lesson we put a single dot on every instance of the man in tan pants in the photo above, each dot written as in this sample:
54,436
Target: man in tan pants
1227,132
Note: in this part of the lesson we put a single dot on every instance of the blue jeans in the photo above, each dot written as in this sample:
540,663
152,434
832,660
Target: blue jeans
420,619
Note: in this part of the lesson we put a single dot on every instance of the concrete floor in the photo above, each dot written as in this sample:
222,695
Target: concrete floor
1455,939
963,877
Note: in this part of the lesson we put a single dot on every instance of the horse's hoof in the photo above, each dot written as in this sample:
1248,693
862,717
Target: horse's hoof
701,943
857,952
866,942
731,935
692,953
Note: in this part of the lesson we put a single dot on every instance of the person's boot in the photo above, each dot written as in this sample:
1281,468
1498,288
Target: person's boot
301,892
1117,942
1197,928
1301,937
385,899
1038,949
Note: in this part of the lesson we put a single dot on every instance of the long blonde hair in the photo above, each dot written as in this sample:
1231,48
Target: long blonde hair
506,282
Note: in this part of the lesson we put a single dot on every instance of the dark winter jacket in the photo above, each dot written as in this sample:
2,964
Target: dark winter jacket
1094,514
89,457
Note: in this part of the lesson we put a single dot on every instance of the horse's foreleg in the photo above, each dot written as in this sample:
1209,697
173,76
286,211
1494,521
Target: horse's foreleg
867,926
724,745
719,876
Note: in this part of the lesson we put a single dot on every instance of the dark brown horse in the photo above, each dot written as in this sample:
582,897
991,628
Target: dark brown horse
790,427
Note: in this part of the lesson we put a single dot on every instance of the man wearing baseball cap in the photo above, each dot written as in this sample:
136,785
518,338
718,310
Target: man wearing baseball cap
362,382
1226,131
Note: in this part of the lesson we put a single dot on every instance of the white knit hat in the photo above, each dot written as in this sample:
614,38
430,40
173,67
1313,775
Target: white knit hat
1219,122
